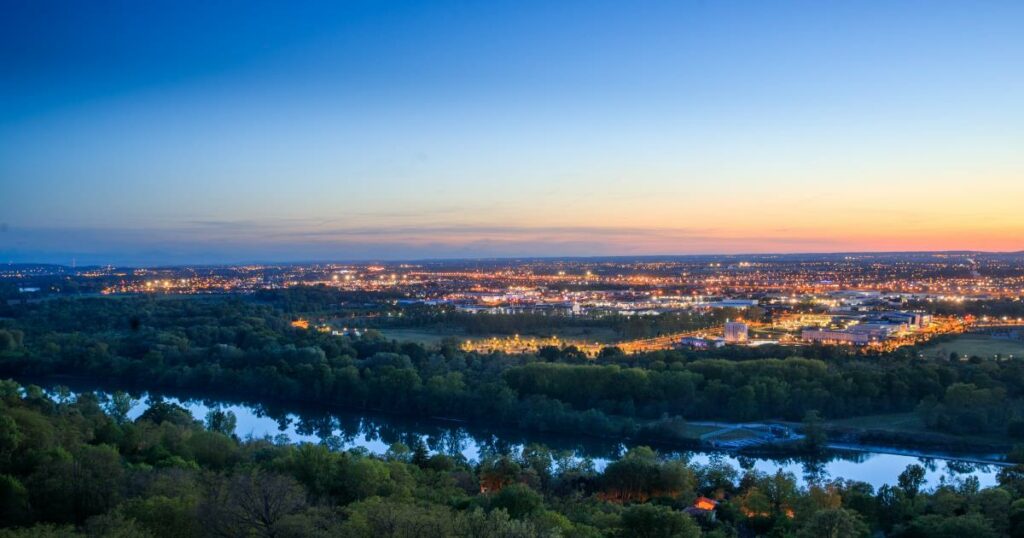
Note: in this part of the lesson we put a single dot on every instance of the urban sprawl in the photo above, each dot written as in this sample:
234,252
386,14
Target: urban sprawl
871,301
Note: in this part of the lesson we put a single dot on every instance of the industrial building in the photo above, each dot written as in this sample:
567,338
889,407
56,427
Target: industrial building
836,336
868,329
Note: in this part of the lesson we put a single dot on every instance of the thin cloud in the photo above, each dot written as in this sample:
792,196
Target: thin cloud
292,240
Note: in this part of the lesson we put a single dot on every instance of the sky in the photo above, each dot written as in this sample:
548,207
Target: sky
156,132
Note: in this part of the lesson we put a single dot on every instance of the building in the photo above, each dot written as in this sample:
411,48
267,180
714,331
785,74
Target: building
837,336
703,508
734,303
910,319
878,330
736,332
693,342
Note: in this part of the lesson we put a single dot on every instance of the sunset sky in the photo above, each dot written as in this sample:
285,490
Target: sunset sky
187,132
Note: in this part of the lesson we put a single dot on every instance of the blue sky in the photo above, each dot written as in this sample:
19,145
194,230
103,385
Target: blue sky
179,132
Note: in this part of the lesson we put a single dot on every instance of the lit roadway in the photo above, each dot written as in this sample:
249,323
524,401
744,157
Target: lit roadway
996,323
668,341
523,345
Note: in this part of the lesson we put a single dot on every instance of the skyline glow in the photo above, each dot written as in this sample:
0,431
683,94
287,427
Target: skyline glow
173,133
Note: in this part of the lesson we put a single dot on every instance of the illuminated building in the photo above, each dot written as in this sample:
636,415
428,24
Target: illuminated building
837,336
736,332
734,303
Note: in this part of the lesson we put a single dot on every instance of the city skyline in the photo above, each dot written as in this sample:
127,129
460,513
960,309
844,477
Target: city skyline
141,134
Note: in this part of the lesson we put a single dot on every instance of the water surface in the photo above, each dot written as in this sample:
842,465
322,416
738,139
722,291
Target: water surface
375,433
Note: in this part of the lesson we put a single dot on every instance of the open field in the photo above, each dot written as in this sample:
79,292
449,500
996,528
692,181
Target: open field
738,434
970,345
908,428
891,422
570,335
420,336
695,431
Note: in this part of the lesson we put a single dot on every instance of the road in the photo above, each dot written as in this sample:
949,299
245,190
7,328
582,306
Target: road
517,344
668,341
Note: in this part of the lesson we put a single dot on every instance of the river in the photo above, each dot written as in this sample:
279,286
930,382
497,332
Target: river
373,432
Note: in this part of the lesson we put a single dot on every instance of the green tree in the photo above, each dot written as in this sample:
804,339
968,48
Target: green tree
70,488
1016,519
911,480
221,421
936,526
250,503
10,438
651,521
518,500
834,523
815,437
119,406
14,507
165,517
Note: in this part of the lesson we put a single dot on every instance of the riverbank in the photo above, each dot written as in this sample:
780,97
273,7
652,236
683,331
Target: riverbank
841,440
907,431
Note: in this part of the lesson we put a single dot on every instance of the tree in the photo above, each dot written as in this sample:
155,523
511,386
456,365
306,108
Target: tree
420,455
10,438
650,521
609,352
119,406
1012,479
14,508
160,411
116,525
815,437
374,518
165,517
518,500
10,340
250,503
1016,519
398,452
497,472
212,449
911,480
834,523
221,422
42,531
539,459
936,526
994,504
71,488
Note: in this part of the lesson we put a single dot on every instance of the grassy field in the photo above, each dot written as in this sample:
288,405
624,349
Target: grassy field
736,435
694,431
432,337
910,424
892,422
587,334
420,336
970,345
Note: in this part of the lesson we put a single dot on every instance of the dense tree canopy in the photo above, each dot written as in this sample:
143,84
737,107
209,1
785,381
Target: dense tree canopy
69,468
247,347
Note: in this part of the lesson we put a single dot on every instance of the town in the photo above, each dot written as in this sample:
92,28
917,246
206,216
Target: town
872,302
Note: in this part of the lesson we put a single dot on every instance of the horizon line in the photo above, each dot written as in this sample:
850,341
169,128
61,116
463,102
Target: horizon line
532,258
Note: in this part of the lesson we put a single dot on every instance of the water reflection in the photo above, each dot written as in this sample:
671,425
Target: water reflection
376,433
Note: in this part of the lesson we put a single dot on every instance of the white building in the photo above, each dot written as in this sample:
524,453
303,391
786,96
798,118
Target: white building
736,332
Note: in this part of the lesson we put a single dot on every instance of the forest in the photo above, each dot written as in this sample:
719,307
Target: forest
392,310
247,348
76,466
